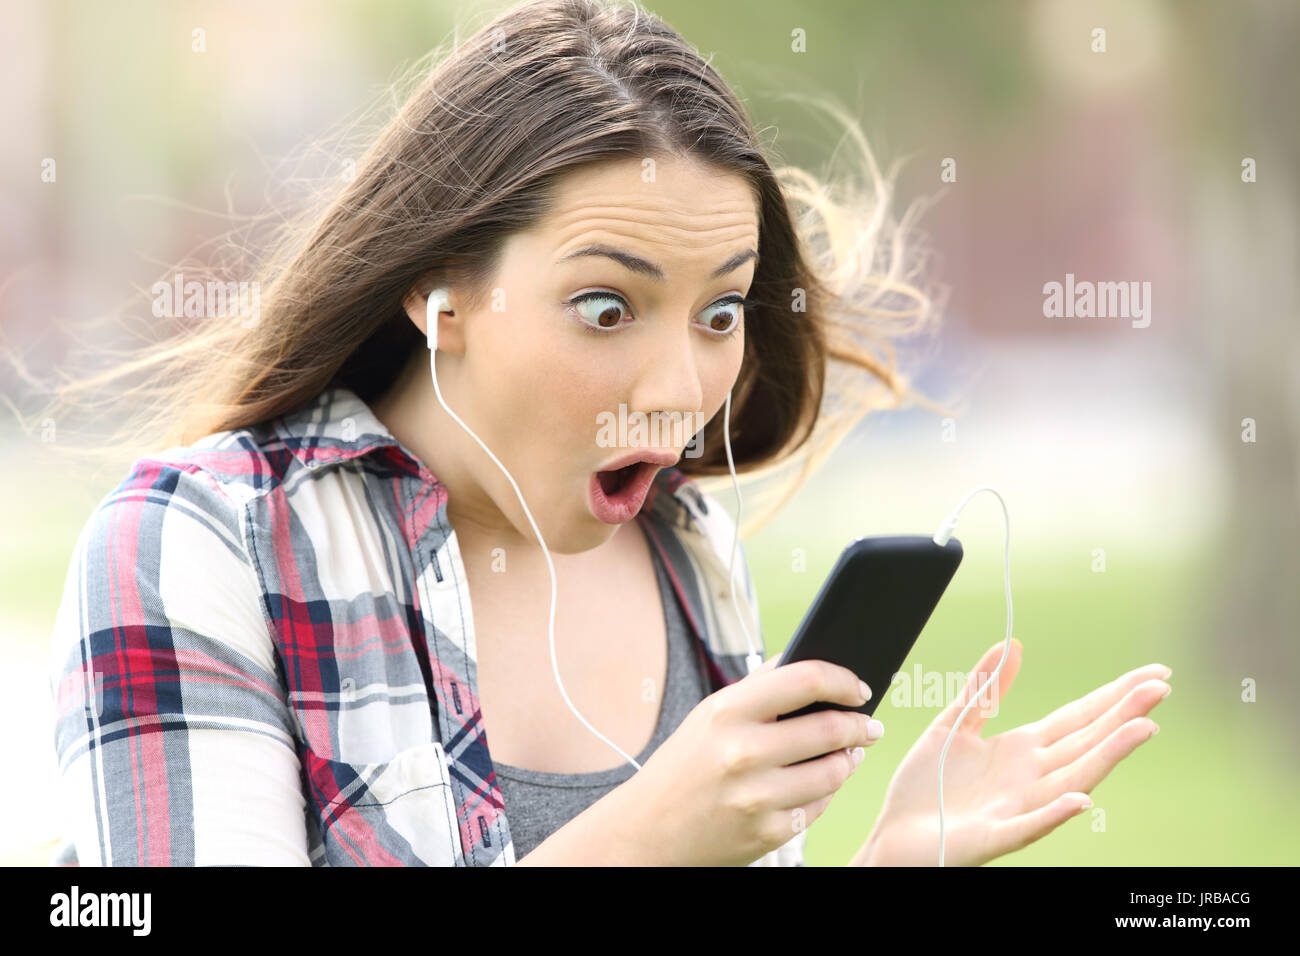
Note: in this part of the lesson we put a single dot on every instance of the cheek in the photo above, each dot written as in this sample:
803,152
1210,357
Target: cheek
595,382
719,376
541,388
502,370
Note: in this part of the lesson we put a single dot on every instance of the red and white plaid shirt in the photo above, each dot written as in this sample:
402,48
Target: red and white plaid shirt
264,654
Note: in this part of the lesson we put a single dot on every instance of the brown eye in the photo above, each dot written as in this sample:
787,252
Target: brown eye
599,310
726,322
723,321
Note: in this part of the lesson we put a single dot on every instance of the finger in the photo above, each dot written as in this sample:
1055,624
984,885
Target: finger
1079,713
784,742
998,685
1018,832
809,812
765,695
1138,702
1087,771
812,780
800,818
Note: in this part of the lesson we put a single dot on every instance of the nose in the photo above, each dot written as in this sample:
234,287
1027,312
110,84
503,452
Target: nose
670,378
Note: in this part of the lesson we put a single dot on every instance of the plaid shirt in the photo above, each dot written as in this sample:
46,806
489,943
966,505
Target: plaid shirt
264,654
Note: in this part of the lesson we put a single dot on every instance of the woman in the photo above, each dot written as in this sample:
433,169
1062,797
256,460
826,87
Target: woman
284,638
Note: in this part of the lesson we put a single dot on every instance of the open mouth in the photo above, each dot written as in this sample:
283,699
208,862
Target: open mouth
617,495
612,482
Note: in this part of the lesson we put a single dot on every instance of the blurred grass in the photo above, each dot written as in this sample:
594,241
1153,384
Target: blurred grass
1214,787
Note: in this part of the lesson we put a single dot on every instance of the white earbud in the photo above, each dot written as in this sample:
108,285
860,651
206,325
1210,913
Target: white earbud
439,301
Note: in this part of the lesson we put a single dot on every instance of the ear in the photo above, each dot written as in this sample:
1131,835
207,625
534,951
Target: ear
451,337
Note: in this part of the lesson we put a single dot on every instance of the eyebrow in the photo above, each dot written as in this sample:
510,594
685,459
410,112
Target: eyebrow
646,268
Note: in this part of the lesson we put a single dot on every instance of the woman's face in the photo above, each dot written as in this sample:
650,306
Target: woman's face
569,334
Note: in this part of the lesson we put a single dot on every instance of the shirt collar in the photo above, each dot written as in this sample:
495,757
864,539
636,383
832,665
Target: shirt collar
338,426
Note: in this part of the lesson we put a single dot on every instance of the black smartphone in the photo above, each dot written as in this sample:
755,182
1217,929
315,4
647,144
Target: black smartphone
872,608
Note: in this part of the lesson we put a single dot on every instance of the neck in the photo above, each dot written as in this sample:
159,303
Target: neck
411,412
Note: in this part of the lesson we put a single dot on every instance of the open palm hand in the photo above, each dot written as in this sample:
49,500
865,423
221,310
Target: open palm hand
1003,792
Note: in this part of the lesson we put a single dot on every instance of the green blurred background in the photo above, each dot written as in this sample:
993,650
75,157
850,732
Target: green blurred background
1122,165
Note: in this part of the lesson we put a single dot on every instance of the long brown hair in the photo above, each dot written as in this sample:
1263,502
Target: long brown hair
473,155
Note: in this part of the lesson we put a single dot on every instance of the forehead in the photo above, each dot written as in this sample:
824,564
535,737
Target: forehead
666,209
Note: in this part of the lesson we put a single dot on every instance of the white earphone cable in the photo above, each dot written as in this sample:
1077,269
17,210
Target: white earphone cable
941,538
755,657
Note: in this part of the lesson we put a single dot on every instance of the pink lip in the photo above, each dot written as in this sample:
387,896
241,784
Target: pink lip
664,459
625,504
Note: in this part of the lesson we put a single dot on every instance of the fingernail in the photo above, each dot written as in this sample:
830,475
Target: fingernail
866,691
1086,805
1166,693
1168,672
1154,732
857,753
875,729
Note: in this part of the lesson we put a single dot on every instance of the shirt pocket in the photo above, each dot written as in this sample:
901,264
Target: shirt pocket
401,812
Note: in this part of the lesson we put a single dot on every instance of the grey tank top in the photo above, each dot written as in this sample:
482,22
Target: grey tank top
537,804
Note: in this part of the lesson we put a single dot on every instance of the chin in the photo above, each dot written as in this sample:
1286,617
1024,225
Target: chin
582,534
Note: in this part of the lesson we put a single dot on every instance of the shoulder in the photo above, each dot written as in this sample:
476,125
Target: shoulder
171,535
179,501
159,493
168,541
225,469
223,472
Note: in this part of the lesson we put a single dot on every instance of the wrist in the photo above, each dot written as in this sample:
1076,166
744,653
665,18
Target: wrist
618,826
